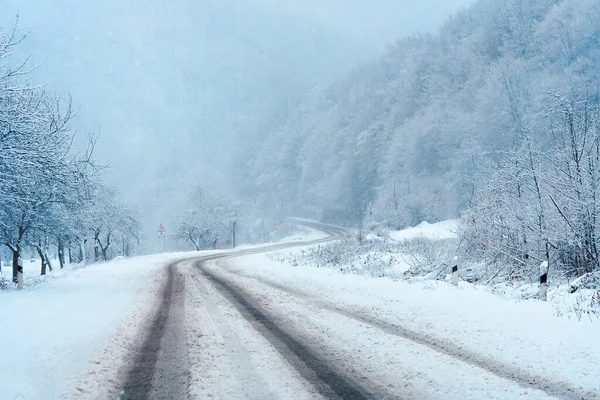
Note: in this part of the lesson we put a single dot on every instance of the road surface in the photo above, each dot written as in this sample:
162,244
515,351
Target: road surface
219,332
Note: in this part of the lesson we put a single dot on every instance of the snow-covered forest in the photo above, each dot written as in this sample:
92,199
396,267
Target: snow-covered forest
495,118
52,199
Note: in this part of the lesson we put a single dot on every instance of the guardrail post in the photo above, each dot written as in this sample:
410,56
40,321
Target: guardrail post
544,281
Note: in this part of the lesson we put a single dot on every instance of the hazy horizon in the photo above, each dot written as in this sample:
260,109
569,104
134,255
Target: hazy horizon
172,86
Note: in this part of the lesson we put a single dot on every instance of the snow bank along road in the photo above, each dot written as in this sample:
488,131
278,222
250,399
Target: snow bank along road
220,331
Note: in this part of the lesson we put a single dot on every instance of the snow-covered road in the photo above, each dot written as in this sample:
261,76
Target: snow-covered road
256,328
426,342
241,326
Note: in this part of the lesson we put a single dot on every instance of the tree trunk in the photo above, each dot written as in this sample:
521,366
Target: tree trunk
47,258
15,262
196,242
38,247
234,224
215,244
70,256
61,253
96,243
16,250
105,248
82,254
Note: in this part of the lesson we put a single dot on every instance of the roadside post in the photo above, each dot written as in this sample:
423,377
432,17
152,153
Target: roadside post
544,281
455,271
161,231
20,273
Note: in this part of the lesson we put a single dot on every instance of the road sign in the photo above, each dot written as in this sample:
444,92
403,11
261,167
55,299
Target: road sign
275,228
161,234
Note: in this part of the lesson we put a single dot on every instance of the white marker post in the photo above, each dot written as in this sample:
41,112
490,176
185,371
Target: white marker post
544,281
455,271
20,273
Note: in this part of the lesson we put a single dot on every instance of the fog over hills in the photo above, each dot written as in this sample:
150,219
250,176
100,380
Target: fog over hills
172,84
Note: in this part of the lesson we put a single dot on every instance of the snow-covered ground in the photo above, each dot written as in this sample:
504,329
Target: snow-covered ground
439,230
32,269
66,329
424,252
69,336
49,331
517,337
378,255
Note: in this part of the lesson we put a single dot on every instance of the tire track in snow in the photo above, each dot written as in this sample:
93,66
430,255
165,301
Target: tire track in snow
326,378
228,357
160,370
523,378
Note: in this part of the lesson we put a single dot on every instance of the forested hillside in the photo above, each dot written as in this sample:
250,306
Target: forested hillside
411,136
478,117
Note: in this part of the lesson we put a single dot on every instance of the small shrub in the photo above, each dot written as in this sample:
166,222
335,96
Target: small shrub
425,255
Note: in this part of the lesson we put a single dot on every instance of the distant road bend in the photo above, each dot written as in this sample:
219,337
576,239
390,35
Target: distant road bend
215,335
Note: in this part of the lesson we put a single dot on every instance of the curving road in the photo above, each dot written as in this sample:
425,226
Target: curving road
226,333
160,368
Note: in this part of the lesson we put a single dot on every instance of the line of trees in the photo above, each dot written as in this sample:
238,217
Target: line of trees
51,193
543,203
213,219
454,123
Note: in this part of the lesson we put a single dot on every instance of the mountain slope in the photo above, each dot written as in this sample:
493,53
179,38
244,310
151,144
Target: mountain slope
411,136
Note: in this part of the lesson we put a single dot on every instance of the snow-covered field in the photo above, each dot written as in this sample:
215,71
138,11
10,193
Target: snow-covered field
49,331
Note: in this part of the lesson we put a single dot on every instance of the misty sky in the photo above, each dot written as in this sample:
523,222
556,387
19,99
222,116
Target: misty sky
172,84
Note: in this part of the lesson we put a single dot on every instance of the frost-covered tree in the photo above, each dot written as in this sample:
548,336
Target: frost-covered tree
434,117
39,167
110,221
541,203
46,183
210,217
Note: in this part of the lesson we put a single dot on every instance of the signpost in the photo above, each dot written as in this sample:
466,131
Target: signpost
161,231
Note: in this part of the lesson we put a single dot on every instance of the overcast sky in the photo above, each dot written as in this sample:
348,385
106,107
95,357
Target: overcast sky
137,57
167,82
